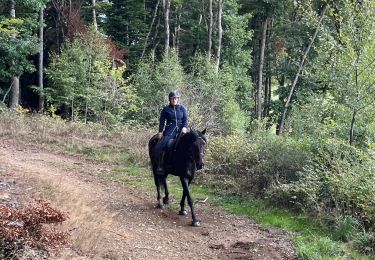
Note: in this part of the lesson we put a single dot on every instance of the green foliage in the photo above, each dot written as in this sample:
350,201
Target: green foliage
324,177
17,42
153,82
127,25
365,243
260,164
213,97
84,81
346,227
317,248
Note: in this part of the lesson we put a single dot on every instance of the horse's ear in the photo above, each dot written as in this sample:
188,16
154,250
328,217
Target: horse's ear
204,131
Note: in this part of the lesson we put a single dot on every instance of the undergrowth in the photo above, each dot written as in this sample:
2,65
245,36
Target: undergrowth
257,178
20,228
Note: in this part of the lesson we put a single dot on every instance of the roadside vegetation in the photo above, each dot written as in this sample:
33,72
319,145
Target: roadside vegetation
276,181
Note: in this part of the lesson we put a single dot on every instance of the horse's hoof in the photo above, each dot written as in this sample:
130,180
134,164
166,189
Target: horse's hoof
195,223
159,206
166,200
182,213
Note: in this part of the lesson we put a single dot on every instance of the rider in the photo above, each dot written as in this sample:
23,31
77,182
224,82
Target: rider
177,121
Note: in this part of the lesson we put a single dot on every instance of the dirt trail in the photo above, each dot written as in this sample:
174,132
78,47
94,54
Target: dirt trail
110,220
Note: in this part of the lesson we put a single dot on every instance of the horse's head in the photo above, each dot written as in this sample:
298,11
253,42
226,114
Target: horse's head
199,146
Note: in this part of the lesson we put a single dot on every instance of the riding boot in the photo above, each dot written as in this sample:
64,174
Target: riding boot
160,169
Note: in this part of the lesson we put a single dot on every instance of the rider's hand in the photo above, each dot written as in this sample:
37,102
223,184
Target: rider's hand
159,135
184,130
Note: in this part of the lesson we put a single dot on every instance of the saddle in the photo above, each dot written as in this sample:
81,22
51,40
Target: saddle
171,149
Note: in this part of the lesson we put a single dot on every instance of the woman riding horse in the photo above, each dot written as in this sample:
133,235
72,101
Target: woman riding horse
177,121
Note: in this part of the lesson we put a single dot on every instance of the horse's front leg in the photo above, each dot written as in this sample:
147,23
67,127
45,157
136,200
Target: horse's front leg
166,191
185,185
157,184
182,211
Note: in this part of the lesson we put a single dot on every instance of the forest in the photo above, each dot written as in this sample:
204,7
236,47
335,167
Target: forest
285,88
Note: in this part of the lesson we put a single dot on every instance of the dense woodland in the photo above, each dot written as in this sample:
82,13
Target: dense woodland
285,87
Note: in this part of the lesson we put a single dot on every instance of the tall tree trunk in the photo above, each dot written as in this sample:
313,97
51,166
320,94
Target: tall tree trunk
41,55
94,15
15,81
210,29
355,108
300,66
268,89
220,35
178,33
166,8
351,132
153,50
260,72
177,28
151,25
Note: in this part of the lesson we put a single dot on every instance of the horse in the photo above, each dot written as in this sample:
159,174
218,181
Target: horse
183,159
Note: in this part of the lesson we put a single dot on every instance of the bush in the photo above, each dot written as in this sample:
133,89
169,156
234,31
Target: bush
365,243
339,181
20,228
324,178
259,163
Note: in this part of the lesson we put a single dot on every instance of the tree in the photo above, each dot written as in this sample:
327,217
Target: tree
166,9
126,25
299,69
354,65
94,14
15,81
85,81
261,64
18,40
41,56
210,25
220,34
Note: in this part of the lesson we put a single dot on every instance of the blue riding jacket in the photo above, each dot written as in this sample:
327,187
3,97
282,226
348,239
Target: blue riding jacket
176,117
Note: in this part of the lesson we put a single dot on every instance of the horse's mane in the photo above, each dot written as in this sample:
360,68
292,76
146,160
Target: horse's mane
190,137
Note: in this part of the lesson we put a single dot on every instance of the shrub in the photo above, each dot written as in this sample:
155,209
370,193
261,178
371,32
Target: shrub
365,243
339,181
20,228
346,227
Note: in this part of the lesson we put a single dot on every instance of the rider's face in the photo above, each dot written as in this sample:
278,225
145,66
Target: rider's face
174,101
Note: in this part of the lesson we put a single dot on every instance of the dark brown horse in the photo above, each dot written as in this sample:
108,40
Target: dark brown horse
183,159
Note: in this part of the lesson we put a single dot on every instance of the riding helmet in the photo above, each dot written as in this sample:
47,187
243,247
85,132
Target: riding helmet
174,94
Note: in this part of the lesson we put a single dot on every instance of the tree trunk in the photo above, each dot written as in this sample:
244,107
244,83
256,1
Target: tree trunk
177,28
166,8
355,108
151,25
220,35
300,66
178,33
15,81
41,54
351,132
268,90
260,72
210,29
94,15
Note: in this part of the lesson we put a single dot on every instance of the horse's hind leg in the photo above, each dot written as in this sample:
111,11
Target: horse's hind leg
166,192
157,184
185,185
